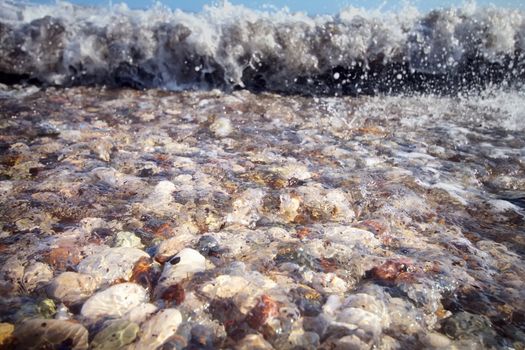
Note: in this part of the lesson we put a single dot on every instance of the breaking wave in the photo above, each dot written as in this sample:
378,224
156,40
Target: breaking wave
229,47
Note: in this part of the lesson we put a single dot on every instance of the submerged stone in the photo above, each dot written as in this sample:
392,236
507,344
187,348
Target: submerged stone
6,333
111,264
114,301
72,287
50,334
36,275
115,336
183,265
158,329
128,239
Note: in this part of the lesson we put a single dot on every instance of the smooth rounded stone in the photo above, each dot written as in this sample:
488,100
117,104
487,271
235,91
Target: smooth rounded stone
116,179
351,237
50,334
62,313
11,275
160,198
171,246
304,340
294,171
47,308
364,324
332,305
207,245
253,342
183,265
465,325
72,287
6,333
350,342
111,264
289,206
404,315
155,331
436,340
243,290
370,304
115,301
140,313
117,334
328,283
128,240
5,188
103,148
333,204
221,127
246,208
36,275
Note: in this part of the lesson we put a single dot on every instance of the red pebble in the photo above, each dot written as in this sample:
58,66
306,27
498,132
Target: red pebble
174,293
265,308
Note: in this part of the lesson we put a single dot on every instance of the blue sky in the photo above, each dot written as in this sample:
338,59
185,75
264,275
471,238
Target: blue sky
309,6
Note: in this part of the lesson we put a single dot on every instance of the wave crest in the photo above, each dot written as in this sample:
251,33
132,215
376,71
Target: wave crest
232,46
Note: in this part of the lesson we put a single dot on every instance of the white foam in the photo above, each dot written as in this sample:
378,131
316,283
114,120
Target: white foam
223,43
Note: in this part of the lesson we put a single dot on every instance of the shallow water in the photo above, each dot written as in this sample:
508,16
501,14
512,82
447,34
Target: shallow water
316,222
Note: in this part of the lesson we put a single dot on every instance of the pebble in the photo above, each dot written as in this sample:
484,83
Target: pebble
243,290
6,333
111,264
436,340
11,275
246,208
289,207
72,287
207,245
171,246
116,335
160,198
187,262
140,313
36,275
465,325
115,301
221,127
158,329
128,240
368,303
253,342
350,342
39,333
62,313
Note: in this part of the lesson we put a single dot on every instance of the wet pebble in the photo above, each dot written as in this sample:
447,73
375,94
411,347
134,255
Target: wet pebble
140,313
208,245
436,340
72,287
183,265
111,264
36,275
160,198
128,240
158,329
115,335
50,334
114,301
6,333
253,342
467,325
171,246
221,127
